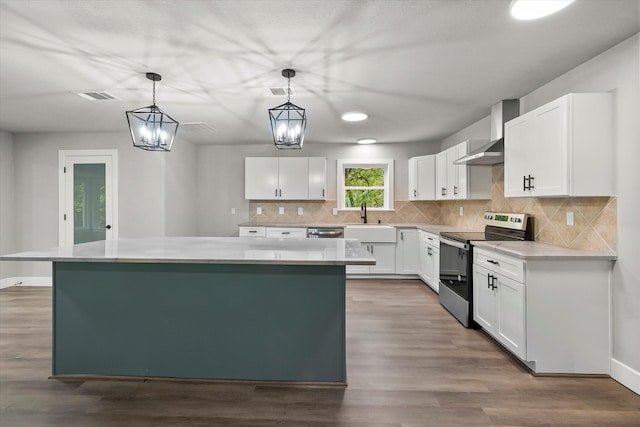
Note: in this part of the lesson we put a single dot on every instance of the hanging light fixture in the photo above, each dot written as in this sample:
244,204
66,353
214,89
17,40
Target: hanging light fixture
151,128
288,121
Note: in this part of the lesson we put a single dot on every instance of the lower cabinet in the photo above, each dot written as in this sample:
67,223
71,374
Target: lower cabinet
430,260
551,312
407,253
499,308
385,255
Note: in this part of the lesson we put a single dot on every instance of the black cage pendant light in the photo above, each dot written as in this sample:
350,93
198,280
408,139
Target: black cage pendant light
151,128
288,121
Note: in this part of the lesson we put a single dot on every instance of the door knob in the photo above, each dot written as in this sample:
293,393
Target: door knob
108,227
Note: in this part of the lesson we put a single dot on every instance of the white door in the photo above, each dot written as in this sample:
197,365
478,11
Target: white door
511,315
484,299
87,196
317,178
441,176
426,177
550,151
517,147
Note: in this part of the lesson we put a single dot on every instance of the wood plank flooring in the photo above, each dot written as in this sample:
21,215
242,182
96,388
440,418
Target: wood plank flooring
409,364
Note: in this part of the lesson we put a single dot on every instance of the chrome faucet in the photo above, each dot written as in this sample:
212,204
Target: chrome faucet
363,212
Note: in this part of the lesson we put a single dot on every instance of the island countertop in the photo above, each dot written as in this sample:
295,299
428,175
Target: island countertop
208,250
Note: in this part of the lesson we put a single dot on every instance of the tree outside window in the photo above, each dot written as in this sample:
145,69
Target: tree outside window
368,181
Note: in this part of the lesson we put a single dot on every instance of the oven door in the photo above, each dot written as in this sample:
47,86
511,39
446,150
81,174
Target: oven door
454,261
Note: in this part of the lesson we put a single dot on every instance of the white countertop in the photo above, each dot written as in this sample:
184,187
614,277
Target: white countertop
208,250
431,228
537,251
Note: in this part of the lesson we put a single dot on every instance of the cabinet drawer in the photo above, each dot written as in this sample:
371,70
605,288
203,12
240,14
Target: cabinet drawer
251,231
430,238
512,268
287,232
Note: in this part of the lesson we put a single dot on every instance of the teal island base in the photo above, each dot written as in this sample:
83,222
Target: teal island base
203,321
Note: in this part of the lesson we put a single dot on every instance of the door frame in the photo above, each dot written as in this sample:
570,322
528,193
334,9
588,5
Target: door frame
65,157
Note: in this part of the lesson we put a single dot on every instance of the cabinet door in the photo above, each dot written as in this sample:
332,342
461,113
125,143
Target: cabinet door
413,178
435,254
407,252
511,315
423,258
425,175
317,178
517,143
459,173
261,178
484,300
550,156
430,267
441,176
293,178
385,255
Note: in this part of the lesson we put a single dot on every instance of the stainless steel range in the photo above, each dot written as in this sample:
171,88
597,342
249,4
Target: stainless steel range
456,259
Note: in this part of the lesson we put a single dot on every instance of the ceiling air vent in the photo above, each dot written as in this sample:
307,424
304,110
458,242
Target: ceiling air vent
280,91
96,96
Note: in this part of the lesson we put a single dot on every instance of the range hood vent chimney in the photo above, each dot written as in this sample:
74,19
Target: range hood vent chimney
493,152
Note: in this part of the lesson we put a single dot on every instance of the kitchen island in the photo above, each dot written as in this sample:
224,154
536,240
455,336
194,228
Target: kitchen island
202,308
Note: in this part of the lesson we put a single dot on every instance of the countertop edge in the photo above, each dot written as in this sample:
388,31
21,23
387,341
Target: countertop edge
530,250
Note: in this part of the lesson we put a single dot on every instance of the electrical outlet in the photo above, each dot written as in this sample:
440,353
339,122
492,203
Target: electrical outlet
300,211
569,218
233,211
461,211
281,210
258,211
335,211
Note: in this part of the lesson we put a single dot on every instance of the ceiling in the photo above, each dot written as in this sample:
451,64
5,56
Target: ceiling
421,69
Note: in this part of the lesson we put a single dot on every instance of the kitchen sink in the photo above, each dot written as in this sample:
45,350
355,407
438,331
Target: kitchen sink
370,232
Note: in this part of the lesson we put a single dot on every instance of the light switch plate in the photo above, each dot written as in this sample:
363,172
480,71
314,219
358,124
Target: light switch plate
335,211
281,210
258,211
233,211
300,211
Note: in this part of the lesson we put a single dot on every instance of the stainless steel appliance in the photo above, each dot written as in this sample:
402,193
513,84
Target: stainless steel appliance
325,232
456,259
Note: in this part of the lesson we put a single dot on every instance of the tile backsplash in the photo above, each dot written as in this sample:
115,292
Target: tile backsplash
595,218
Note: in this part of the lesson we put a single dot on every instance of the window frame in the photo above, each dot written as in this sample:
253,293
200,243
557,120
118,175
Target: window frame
386,164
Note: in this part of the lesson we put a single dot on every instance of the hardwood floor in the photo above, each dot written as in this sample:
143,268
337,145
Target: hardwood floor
409,364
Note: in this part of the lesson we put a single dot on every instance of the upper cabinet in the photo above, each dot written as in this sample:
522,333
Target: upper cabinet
564,148
284,178
461,182
422,177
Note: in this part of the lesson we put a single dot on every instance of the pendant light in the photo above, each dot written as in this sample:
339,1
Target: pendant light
151,128
288,121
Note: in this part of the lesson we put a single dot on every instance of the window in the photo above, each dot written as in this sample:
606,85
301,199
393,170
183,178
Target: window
369,181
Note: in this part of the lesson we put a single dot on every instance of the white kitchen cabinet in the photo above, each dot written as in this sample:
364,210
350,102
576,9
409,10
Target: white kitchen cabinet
461,182
430,259
261,178
499,308
407,251
563,148
385,255
422,177
286,232
284,178
252,231
317,178
551,312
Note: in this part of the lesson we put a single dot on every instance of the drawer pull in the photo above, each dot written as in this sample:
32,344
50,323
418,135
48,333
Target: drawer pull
493,262
253,231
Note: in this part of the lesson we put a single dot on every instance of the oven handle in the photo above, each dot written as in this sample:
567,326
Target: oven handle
454,243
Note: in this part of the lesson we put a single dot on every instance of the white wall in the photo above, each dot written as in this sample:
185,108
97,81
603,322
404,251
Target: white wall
221,176
181,191
143,190
478,130
7,229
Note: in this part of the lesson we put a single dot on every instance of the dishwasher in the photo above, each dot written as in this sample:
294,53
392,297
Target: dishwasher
325,232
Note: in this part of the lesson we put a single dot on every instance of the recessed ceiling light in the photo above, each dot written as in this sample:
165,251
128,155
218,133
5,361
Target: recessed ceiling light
533,9
366,141
354,116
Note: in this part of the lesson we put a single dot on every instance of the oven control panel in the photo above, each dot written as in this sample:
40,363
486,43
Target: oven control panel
514,221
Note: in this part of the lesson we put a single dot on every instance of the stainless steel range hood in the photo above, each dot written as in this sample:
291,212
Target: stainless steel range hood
493,152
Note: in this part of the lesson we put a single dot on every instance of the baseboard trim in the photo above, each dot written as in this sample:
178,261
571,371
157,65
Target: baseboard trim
625,375
25,281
